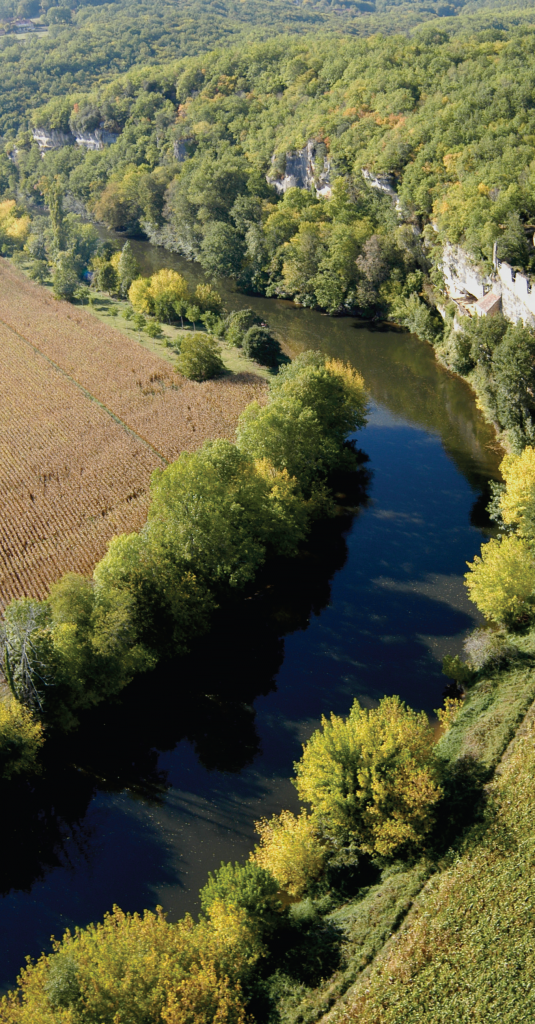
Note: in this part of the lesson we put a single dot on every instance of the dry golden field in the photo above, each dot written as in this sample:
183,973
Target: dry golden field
86,415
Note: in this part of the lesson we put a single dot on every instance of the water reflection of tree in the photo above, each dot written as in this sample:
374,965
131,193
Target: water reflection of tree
206,698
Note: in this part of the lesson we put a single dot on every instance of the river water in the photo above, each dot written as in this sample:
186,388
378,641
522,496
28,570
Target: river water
155,791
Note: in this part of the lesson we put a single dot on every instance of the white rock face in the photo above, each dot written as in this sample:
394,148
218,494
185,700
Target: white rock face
49,138
465,284
385,183
95,140
301,172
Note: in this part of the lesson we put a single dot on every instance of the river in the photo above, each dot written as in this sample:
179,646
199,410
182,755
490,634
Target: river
153,792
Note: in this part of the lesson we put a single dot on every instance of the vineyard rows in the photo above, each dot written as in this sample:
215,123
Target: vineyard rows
71,476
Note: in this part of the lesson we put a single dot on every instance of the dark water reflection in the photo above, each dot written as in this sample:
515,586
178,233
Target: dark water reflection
156,790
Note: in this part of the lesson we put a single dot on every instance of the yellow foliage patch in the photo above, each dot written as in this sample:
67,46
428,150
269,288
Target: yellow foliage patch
290,850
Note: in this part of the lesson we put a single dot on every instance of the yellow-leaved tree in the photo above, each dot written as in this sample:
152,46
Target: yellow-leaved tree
168,291
14,228
290,850
501,582
140,295
517,503
370,777
141,970
21,738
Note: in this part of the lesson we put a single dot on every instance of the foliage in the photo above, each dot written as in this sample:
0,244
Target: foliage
20,739
447,714
127,268
290,849
501,582
260,345
458,955
370,777
14,227
237,324
499,359
314,404
166,290
143,970
200,357
517,501
249,887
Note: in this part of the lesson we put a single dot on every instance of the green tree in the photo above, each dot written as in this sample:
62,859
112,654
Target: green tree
207,510
127,269
370,777
249,887
200,358
260,344
107,277
65,278
222,250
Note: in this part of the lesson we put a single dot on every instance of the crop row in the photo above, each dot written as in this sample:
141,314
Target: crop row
171,413
70,476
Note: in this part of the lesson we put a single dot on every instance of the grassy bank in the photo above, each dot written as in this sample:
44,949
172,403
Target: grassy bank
409,924
466,951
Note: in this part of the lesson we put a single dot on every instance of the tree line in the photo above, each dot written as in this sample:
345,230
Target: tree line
214,517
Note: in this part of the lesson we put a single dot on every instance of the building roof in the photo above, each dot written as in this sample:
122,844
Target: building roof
488,305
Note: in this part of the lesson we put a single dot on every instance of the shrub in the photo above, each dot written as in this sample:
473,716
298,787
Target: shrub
259,344
370,778
200,358
20,739
38,271
501,582
486,647
290,850
238,323
248,886
153,329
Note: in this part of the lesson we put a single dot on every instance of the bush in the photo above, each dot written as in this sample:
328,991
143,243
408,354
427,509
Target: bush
237,324
20,739
248,886
154,330
200,358
38,271
370,777
259,344
501,582
290,850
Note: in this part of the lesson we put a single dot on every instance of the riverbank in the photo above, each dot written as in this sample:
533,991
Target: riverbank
402,939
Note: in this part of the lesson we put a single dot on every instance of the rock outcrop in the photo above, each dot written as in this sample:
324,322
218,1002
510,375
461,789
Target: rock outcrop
383,182
51,138
305,168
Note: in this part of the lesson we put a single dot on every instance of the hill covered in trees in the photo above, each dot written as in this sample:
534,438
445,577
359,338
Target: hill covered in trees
92,42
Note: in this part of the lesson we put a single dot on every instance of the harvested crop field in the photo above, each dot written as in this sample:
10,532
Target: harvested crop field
86,415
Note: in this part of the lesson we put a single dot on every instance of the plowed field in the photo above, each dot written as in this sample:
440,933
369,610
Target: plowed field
86,415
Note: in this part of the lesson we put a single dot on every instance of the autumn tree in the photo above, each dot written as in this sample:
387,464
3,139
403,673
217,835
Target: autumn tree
369,777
